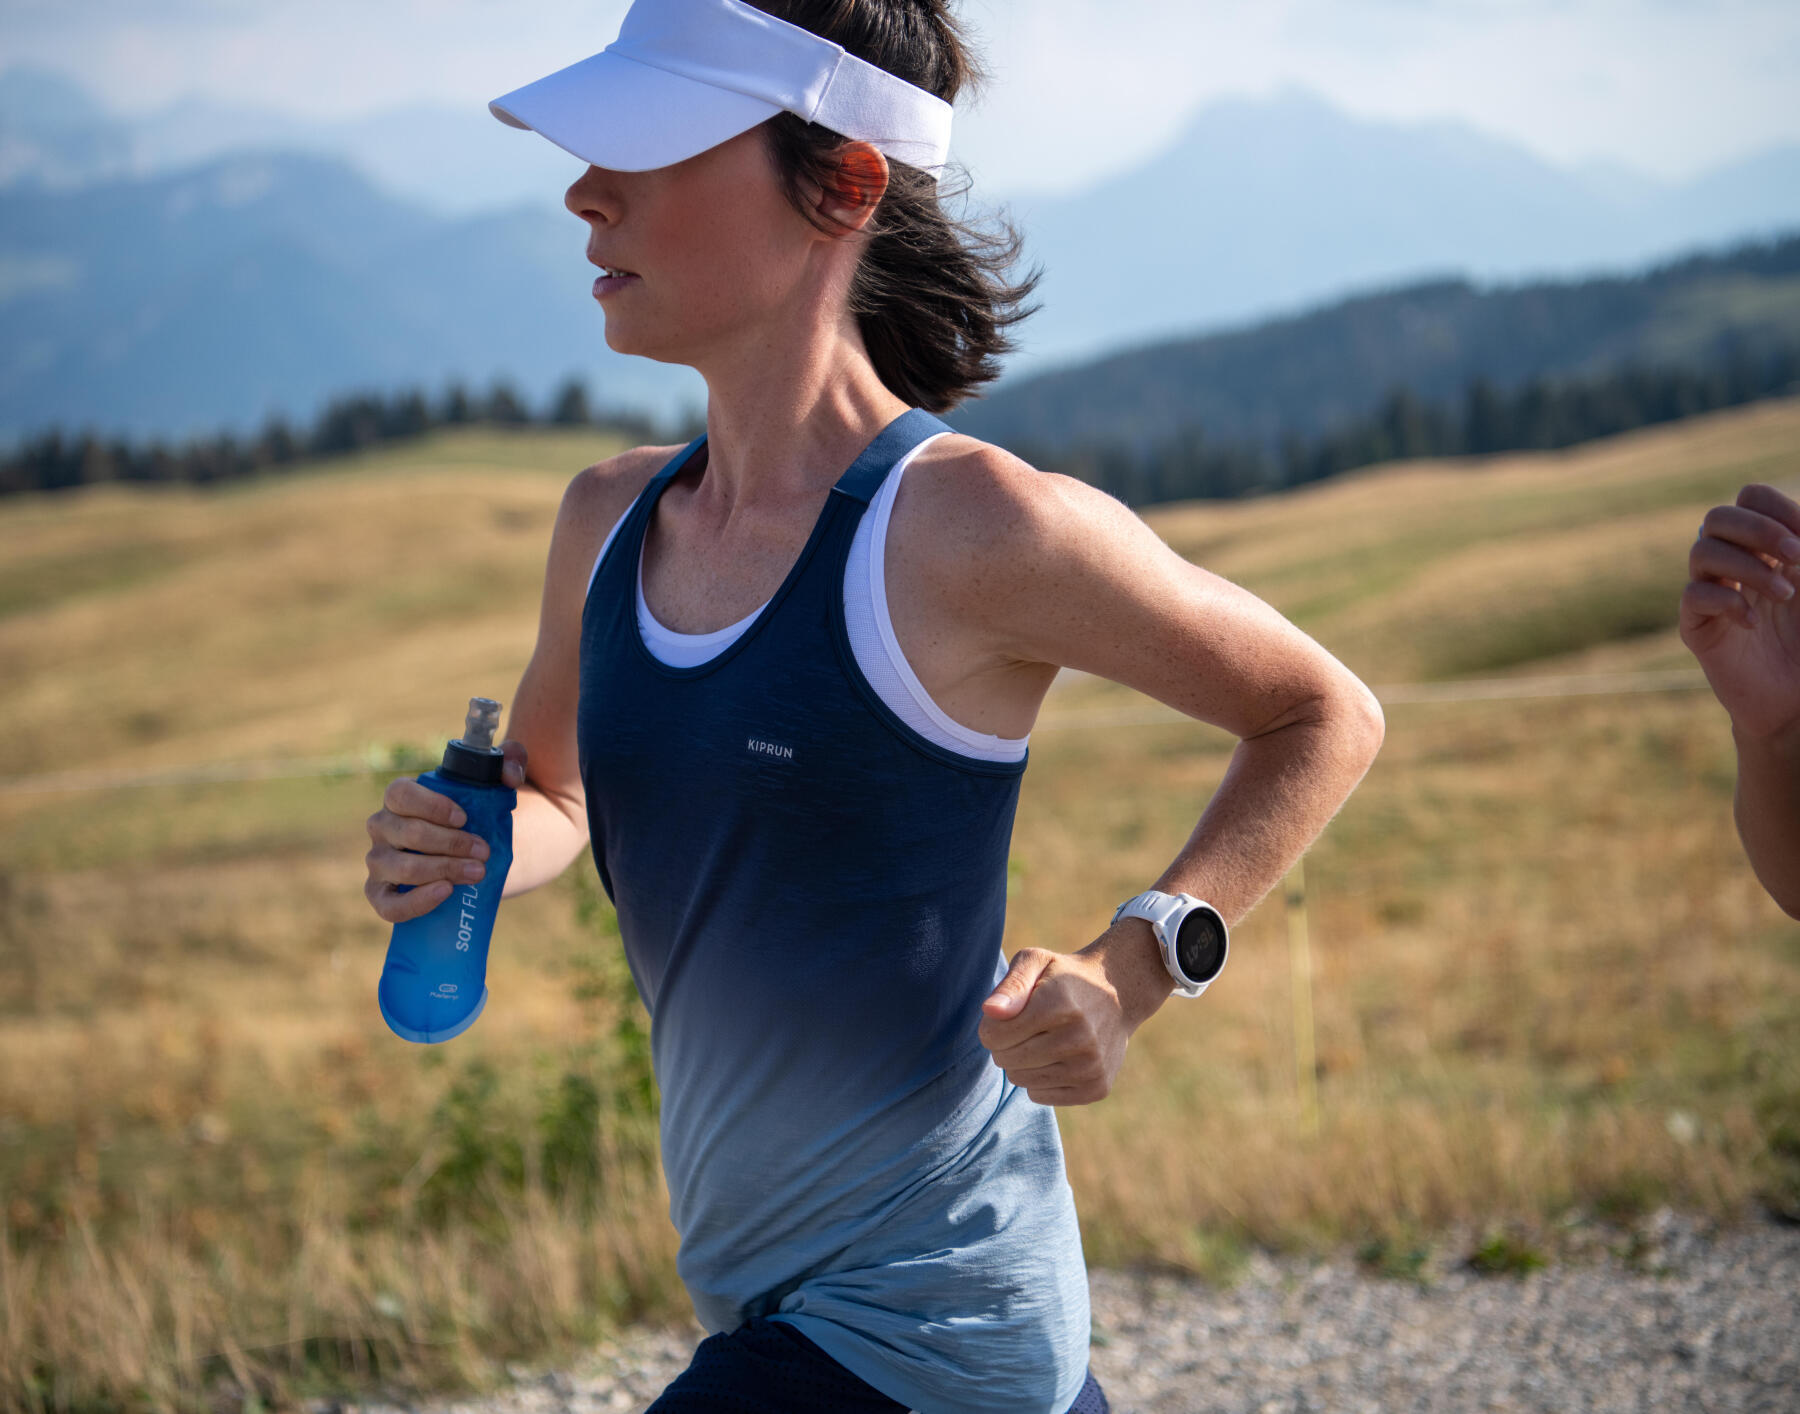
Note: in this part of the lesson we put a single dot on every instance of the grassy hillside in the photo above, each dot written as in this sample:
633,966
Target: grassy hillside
1546,990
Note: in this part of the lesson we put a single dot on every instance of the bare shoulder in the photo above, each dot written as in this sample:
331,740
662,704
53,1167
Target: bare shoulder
1035,566
599,494
971,496
593,502
543,709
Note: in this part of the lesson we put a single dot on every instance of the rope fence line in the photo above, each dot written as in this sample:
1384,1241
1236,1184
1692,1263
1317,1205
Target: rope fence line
1410,693
293,769
1393,695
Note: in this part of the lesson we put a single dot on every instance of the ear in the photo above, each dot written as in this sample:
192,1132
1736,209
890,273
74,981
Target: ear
852,194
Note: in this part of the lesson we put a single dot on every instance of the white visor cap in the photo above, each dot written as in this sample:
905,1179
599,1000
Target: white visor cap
685,75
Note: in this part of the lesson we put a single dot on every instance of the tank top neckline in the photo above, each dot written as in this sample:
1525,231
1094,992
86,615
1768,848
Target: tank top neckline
658,629
847,483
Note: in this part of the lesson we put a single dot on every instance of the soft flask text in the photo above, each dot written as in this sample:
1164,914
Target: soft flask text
465,927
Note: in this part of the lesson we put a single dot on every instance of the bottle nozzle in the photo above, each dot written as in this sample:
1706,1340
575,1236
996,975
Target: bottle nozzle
473,756
483,721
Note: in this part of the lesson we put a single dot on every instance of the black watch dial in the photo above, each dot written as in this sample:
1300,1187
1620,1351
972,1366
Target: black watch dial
1200,944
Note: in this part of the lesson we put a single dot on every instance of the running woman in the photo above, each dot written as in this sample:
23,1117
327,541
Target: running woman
1740,616
782,689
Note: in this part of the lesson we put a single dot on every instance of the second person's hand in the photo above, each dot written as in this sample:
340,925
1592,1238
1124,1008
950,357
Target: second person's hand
1740,615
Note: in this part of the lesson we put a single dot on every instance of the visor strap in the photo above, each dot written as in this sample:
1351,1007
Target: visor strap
870,104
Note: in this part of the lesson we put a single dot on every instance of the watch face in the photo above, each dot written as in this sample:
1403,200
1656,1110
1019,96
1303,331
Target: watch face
1200,944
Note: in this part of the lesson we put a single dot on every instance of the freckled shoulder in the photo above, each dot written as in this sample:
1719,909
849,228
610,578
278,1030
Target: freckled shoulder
600,494
968,503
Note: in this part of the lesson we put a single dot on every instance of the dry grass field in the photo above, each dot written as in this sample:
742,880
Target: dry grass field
1545,988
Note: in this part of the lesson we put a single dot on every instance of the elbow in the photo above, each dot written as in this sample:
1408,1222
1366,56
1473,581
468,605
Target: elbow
1785,892
1768,851
1345,716
1364,723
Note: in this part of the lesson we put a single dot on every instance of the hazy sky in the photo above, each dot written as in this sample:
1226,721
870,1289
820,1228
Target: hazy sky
1080,86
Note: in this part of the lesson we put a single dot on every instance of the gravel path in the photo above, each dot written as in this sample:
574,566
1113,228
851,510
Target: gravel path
1679,1316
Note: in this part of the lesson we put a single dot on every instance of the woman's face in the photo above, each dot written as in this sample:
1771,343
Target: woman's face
718,252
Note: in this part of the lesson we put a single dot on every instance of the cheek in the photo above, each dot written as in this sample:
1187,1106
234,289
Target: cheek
737,278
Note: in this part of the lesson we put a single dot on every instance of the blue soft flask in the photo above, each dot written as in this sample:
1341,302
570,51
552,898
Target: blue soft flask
434,983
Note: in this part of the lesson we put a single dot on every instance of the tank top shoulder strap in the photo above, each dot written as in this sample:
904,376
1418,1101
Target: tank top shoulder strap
628,531
894,441
671,469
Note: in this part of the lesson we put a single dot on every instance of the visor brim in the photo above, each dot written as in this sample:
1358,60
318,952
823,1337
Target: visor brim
614,112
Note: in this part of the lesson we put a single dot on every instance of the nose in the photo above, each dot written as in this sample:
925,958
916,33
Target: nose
591,196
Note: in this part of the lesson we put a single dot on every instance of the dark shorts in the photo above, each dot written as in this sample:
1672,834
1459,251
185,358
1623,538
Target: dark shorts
768,1367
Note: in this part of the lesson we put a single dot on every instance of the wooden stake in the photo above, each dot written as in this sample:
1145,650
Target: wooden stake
1300,969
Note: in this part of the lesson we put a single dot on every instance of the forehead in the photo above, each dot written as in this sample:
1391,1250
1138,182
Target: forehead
745,155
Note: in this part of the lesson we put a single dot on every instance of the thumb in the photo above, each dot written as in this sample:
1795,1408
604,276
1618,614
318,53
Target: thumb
1013,990
513,771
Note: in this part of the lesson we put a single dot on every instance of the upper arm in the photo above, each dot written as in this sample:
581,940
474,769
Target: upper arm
1056,571
543,708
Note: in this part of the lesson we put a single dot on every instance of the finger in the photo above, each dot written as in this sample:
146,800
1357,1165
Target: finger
423,837
1071,1073
1703,600
1760,497
398,866
514,771
1048,1047
396,907
1753,531
1011,992
407,797
1067,1094
1714,559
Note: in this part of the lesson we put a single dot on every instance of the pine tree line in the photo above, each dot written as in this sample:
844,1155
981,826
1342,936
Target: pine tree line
54,460
1541,415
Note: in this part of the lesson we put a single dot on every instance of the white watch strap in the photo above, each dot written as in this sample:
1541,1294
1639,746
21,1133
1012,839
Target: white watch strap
1158,908
1152,905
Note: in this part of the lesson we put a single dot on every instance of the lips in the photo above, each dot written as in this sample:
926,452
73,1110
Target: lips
605,285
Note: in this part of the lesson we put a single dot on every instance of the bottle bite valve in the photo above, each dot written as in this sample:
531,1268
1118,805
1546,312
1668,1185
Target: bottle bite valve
434,983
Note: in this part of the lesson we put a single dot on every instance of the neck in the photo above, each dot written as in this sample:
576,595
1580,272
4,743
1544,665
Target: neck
786,415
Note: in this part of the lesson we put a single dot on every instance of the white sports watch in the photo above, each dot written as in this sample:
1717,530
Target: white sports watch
1190,931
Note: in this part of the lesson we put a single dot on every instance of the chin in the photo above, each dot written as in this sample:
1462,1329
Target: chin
620,341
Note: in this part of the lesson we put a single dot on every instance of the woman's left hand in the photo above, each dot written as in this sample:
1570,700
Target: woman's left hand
1058,1023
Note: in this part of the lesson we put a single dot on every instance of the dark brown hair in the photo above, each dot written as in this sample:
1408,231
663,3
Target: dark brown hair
931,294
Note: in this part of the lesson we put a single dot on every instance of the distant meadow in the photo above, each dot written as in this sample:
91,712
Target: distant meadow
1522,992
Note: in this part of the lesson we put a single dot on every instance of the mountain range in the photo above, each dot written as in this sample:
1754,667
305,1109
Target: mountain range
205,268
450,161
1264,208
260,284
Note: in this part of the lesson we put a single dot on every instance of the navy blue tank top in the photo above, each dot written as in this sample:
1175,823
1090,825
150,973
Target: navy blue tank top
811,897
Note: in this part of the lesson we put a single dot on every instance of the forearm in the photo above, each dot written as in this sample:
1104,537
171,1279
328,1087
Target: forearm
1279,792
546,838
1767,811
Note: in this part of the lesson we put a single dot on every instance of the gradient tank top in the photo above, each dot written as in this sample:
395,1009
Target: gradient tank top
811,896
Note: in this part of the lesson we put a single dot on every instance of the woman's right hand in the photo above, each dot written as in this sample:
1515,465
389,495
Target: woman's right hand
417,841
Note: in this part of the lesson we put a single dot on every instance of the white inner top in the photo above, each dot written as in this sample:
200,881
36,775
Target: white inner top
872,639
